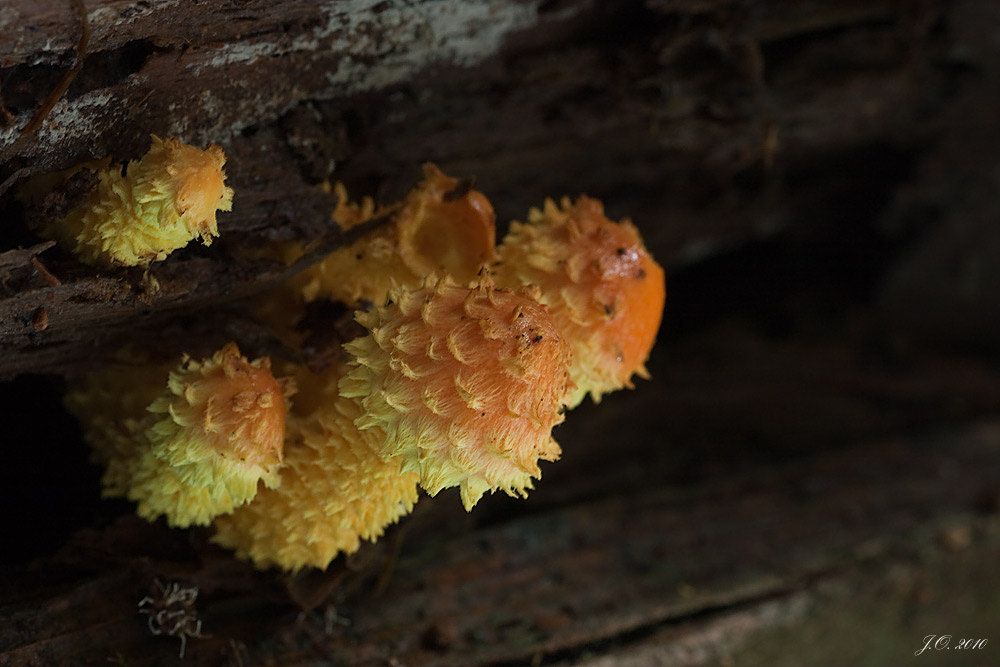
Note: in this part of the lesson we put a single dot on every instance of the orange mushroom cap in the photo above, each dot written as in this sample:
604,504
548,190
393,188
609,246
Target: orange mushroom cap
600,284
442,226
466,384
220,429
335,490
159,204
197,181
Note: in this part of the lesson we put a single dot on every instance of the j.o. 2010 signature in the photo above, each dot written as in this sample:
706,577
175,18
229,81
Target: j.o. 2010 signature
942,642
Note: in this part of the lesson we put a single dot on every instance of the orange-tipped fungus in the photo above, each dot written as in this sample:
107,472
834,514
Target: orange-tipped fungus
219,429
159,204
465,383
600,284
335,491
459,382
443,225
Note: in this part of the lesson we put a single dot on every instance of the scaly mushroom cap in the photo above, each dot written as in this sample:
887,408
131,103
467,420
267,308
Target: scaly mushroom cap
335,491
160,204
196,180
466,384
220,429
600,284
442,226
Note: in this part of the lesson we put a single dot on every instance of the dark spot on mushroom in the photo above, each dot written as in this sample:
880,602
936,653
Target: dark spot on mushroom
537,339
608,309
640,274
620,251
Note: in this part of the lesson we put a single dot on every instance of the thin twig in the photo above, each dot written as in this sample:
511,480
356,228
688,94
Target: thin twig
46,275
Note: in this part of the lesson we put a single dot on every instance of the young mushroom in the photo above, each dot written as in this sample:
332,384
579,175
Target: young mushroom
462,384
159,204
219,429
599,283
202,444
443,225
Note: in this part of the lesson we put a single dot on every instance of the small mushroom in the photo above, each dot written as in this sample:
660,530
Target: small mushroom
443,225
602,287
219,429
462,384
159,204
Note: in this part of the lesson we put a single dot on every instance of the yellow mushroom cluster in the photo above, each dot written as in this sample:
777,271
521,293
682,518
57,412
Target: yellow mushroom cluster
472,354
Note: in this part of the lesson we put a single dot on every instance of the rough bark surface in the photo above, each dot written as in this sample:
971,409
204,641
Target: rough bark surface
811,477
684,119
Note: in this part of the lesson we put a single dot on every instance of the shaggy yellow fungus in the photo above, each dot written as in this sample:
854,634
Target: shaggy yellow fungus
335,491
462,384
458,382
602,287
442,226
159,204
219,429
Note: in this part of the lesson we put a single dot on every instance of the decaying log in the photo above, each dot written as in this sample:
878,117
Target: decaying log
690,546
812,476
701,121
654,536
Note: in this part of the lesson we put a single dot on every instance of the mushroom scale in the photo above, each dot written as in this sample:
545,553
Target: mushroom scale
600,284
462,384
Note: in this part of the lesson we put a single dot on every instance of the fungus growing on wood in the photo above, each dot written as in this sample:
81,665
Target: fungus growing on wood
602,287
159,204
200,446
458,382
219,429
462,384
443,225
335,491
